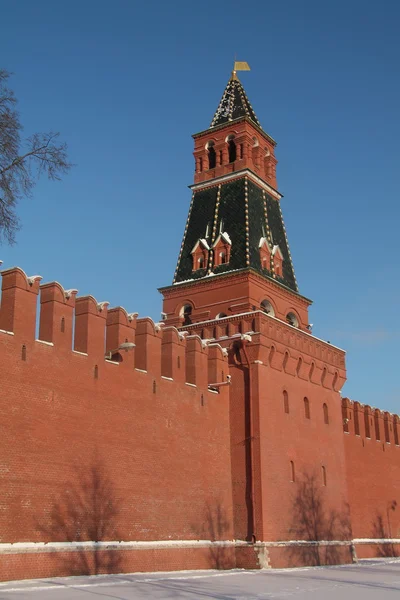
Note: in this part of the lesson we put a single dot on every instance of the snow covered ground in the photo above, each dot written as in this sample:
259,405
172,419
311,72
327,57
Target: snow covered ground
373,579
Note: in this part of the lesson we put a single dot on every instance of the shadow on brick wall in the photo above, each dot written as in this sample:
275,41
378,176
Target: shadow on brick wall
382,529
216,527
313,521
86,511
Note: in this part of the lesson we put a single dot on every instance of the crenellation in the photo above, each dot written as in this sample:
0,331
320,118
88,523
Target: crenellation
196,361
120,330
369,422
173,354
148,346
19,302
217,364
90,326
56,314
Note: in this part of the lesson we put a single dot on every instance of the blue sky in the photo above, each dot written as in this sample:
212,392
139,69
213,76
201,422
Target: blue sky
127,83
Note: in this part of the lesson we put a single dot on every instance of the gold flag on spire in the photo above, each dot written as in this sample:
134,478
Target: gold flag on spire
241,66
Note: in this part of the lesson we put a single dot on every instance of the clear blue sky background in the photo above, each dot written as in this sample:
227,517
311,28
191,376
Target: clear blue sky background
128,82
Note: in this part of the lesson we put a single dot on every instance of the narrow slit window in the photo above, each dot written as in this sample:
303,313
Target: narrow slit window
326,414
307,408
292,472
286,402
62,325
23,352
324,476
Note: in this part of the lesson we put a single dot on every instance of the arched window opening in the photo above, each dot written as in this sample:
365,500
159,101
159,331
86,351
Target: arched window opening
200,262
386,428
292,472
186,312
286,402
96,372
23,353
178,362
200,164
299,363
292,319
62,325
356,420
220,315
306,408
278,270
221,157
267,307
311,371
366,423
154,386
222,258
212,156
271,354
326,414
323,476
285,360
376,423
395,431
231,150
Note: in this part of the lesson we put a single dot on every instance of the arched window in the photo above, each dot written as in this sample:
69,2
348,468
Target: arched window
326,414
292,472
366,423
324,476
286,402
212,157
200,164
231,148
62,325
306,408
23,353
267,307
292,319
200,262
220,315
96,372
222,257
299,364
186,312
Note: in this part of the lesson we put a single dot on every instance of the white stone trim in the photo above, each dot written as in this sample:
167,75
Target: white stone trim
37,547
263,184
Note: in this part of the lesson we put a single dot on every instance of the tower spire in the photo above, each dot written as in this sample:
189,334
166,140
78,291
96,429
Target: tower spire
234,103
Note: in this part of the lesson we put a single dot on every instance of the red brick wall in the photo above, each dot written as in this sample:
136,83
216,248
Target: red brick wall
373,476
111,452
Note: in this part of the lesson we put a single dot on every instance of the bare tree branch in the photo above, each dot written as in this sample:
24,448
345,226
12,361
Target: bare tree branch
23,162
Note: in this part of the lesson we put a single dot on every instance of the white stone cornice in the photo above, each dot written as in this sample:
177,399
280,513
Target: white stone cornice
230,176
